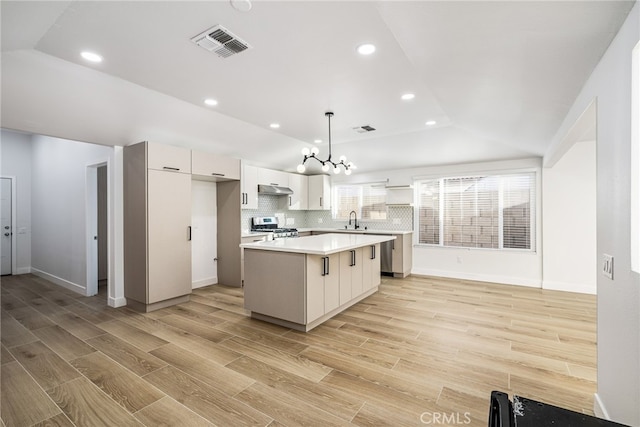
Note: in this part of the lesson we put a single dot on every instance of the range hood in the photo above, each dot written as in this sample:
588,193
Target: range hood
274,189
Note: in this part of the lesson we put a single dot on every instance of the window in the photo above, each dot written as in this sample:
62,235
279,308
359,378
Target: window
367,200
492,211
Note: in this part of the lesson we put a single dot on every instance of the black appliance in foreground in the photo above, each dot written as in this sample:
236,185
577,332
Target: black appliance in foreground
525,412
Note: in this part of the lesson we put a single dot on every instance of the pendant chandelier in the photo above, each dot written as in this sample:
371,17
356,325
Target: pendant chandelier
329,163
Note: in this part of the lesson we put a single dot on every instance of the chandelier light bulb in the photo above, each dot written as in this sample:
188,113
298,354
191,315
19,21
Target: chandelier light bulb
327,164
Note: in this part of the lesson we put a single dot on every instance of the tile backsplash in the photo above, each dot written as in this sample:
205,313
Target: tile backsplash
400,218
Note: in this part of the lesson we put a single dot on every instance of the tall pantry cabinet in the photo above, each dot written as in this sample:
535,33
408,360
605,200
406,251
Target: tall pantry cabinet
157,225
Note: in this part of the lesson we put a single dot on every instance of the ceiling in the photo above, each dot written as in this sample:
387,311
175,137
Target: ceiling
498,77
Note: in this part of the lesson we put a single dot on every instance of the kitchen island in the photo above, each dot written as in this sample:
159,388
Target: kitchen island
301,282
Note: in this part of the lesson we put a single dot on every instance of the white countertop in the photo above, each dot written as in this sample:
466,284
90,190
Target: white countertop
323,244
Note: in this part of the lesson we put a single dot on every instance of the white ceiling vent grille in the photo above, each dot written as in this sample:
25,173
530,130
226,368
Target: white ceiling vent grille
364,129
220,41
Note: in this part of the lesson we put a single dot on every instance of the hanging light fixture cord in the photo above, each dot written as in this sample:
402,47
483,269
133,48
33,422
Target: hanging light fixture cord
326,164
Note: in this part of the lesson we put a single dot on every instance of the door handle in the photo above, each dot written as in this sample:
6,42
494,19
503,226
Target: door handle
353,258
189,230
373,252
170,168
327,258
320,201
289,200
324,266
217,174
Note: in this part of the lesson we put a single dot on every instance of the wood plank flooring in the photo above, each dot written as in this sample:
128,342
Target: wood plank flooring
419,346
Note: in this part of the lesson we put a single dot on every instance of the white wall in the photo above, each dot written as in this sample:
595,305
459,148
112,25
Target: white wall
58,196
510,267
618,299
204,247
15,152
569,221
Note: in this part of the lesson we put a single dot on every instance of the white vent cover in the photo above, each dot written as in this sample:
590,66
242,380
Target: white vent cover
364,129
220,41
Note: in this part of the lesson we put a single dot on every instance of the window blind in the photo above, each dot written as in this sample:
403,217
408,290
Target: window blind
367,200
493,211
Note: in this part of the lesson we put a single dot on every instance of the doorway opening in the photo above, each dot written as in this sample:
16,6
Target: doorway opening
98,230
7,226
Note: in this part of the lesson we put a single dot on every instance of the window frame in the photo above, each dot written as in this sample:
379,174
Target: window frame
534,212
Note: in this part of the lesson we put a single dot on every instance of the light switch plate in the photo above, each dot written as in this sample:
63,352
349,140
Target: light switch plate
607,265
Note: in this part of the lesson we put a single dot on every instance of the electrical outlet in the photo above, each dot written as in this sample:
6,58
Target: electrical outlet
607,265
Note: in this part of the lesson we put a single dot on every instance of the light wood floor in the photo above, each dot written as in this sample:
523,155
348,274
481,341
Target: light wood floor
418,347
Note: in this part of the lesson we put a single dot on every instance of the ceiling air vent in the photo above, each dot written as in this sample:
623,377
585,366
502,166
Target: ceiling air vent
220,41
364,129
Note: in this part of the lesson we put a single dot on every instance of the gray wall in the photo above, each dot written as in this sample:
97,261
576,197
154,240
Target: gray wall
618,299
59,232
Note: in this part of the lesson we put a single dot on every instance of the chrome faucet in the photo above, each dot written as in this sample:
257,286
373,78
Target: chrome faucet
355,220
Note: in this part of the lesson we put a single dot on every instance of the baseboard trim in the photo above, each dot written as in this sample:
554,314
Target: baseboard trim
569,287
60,281
598,408
23,270
204,282
117,302
505,280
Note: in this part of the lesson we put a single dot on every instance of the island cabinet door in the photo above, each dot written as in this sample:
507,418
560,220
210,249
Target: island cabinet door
323,285
370,267
350,275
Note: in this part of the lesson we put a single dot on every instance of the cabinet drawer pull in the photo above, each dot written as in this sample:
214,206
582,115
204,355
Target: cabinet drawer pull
353,258
189,232
373,252
217,174
327,258
170,168
289,200
320,201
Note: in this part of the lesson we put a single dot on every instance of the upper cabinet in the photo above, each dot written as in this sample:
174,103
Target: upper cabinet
168,158
249,187
400,195
273,177
299,200
319,193
213,167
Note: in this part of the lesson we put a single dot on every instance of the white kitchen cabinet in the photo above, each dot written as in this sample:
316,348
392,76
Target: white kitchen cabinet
273,177
319,192
213,167
167,158
299,200
401,255
399,196
249,187
323,285
370,267
350,274
157,227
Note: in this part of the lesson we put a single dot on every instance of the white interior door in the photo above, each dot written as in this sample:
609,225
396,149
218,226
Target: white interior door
5,226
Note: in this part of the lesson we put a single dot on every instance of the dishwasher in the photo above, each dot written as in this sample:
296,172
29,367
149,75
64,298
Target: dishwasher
386,255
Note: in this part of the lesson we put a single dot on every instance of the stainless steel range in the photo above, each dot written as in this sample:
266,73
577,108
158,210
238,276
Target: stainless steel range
270,224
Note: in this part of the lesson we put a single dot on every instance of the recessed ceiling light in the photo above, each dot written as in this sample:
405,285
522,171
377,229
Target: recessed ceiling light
407,96
430,123
242,5
90,56
274,125
317,141
211,102
366,49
